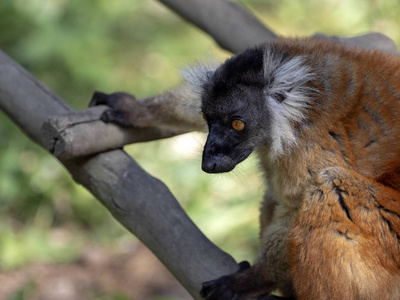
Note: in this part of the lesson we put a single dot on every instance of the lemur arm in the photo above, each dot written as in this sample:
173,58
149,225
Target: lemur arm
178,109
83,133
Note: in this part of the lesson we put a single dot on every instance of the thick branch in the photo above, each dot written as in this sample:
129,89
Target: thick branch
138,201
82,133
373,40
232,27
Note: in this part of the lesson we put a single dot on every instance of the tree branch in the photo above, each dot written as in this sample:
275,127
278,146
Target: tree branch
373,40
232,27
82,133
138,201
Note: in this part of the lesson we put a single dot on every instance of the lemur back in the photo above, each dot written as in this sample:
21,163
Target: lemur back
358,105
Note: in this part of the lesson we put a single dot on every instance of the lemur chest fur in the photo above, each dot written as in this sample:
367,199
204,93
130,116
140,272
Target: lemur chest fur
283,179
289,177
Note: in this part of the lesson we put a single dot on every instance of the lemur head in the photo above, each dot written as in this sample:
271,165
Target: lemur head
253,99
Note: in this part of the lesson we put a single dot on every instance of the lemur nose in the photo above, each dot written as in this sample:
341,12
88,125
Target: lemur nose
208,166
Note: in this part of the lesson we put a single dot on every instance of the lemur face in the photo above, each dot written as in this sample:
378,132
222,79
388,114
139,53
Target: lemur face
234,115
257,97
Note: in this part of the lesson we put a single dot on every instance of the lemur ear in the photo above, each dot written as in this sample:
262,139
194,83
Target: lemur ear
287,94
285,78
196,76
279,97
210,74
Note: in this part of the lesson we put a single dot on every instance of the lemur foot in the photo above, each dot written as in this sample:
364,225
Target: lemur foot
125,109
223,288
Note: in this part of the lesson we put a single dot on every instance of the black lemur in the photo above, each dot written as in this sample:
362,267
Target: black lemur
324,121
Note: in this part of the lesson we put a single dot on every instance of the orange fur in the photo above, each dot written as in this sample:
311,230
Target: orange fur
341,181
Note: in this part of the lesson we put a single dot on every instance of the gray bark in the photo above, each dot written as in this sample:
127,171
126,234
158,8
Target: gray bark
232,27
373,40
82,133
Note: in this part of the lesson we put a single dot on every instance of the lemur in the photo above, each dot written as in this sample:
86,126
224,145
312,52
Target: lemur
324,121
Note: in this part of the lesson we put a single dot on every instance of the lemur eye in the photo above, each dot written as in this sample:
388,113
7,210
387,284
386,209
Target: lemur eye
204,117
238,125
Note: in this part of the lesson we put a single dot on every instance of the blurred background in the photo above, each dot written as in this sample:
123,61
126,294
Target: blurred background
56,240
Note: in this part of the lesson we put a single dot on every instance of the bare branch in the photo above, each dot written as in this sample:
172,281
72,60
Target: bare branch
232,27
373,40
82,133
138,201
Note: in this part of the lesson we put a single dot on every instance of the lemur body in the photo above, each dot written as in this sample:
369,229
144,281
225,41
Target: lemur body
325,123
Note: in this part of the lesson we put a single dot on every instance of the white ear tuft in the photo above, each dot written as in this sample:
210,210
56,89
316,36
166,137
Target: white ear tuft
197,75
287,95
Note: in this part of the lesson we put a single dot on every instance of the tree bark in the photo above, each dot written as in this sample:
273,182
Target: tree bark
372,40
232,27
82,133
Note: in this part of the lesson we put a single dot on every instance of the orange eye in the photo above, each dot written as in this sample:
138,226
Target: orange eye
238,125
204,117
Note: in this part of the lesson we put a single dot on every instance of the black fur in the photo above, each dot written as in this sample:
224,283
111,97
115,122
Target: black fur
234,92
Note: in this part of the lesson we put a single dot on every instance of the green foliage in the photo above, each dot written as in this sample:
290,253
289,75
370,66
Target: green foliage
76,47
